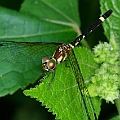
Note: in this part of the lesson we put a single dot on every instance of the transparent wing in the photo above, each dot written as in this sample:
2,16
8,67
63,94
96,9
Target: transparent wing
86,106
25,51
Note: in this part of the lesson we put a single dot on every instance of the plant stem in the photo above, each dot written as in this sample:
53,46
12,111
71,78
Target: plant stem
117,102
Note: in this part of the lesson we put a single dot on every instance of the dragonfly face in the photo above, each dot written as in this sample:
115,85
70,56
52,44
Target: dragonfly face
48,63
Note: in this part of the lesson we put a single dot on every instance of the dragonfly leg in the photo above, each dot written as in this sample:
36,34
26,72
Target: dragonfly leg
44,76
53,76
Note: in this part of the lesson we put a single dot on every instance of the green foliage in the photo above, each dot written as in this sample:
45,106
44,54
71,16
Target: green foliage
106,78
63,96
21,27
111,26
115,118
52,21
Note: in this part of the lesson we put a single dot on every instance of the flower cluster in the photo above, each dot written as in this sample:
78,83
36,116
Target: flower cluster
106,78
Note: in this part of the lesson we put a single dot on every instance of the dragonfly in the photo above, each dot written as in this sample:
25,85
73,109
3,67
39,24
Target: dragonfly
23,52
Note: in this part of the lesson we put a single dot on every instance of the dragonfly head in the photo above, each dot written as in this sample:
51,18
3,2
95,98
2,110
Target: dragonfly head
48,63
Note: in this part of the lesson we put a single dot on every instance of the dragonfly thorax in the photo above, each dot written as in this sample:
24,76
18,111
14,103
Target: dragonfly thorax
48,63
61,52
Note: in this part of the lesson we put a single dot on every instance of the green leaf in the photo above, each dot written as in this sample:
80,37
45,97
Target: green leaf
64,12
58,22
19,27
115,118
111,25
63,97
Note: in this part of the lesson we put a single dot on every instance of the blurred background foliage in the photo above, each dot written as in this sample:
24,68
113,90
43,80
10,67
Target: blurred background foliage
20,107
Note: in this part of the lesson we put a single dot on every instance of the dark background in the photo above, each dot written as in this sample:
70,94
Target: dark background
20,107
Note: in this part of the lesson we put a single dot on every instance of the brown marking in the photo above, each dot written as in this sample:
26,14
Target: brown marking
61,53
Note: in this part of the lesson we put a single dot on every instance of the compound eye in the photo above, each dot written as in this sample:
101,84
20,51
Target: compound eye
48,64
45,59
44,66
51,64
